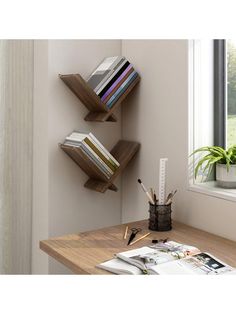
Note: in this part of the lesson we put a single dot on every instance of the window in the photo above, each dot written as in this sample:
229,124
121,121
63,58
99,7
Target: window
225,92
212,106
231,92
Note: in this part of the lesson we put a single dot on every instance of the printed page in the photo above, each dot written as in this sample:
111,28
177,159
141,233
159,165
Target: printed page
146,257
200,264
118,266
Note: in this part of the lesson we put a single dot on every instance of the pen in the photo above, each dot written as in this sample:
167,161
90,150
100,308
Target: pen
144,236
126,231
146,192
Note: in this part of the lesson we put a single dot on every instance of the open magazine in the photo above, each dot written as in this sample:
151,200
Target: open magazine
165,258
146,257
199,264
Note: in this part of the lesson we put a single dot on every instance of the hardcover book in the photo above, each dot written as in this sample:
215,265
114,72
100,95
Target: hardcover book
117,83
104,71
95,152
122,89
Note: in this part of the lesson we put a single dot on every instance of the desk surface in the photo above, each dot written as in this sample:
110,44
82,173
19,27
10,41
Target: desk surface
83,251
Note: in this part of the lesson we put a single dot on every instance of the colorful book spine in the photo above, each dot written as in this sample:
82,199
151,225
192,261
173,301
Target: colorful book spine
116,66
116,70
121,89
101,162
104,149
108,85
118,85
92,154
91,157
106,156
99,153
116,82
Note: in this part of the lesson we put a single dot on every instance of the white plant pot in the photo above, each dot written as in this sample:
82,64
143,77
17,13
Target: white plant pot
224,178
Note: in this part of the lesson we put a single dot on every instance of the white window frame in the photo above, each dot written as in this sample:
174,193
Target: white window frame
200,126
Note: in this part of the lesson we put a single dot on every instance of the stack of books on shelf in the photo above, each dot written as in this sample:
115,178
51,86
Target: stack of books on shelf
111,79
94,151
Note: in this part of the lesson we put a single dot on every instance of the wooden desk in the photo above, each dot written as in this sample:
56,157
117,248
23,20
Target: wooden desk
82,252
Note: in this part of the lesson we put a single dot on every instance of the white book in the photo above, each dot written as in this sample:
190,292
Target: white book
119,267
89,141
104,149
115,71
199,264
81,136
103,72
91,152
91,157
97,157
76,142
116,66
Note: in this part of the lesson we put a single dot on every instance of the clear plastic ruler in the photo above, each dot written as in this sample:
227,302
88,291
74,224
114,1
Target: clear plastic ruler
162,180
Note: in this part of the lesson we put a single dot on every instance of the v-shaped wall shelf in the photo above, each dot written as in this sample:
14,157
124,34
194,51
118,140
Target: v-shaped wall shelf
97,109
123,152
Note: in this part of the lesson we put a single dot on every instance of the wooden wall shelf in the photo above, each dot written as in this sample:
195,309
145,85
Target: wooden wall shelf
123,152
97,109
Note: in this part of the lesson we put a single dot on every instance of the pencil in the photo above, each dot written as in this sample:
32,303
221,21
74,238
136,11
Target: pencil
126,231
144,236
146,192
152,194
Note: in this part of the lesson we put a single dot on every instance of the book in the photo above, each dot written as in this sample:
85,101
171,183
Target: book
117,83
100,160
122,89
81,136
104,149
103,71
167,258
94,150
97,147
117,72
199,264
90,147
91,156
119,267
96,171
114,78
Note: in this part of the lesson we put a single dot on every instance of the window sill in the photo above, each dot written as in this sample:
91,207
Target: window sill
210,188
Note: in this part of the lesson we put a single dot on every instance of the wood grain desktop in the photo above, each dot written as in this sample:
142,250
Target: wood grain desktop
83,251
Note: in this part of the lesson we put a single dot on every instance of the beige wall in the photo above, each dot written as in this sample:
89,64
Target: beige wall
157,116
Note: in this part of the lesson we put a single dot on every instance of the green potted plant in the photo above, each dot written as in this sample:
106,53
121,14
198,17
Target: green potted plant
224,162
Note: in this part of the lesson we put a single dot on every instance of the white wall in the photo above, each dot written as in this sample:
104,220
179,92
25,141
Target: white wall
71,207
159,115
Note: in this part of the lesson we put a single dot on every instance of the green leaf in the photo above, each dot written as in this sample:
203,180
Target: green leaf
199,164
216,154
202,149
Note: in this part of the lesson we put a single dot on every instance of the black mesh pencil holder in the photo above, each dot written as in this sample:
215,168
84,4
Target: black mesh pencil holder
160,217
